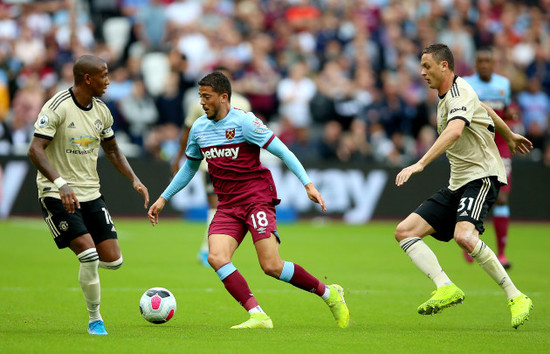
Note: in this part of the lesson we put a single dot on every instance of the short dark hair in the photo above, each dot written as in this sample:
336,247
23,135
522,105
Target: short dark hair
219,83
441,52
86,64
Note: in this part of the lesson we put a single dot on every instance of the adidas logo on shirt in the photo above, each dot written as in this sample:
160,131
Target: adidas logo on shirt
72,125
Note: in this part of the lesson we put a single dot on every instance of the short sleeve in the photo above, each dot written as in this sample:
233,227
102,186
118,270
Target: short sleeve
255,131
193,150
461,106
46,124
107,132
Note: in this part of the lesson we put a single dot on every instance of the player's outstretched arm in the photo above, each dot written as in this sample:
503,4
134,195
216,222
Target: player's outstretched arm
155,209
279,149
452,132
38,157
117,159
516,142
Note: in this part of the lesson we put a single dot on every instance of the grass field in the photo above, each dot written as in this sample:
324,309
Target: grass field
43,311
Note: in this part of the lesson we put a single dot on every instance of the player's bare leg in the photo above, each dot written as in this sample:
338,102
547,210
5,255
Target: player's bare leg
221,250
110,256
272,265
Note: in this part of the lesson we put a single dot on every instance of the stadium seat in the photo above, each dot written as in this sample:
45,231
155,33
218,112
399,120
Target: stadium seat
116,31
155,68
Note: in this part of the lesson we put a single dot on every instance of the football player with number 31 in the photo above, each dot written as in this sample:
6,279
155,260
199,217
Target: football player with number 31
230,139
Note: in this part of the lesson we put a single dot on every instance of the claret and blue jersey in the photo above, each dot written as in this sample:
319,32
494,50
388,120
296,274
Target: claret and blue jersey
496,93
231,147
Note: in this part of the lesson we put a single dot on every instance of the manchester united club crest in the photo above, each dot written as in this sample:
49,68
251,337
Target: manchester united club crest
230,133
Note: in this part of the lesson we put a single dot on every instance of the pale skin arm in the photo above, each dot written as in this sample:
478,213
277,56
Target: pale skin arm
37,154
315,196
117,159
515,141
452,132
155,210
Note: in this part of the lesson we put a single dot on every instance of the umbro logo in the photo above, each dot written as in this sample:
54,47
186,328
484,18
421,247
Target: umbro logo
72,125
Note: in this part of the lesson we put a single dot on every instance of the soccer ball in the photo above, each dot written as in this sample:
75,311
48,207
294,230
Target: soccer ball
157,305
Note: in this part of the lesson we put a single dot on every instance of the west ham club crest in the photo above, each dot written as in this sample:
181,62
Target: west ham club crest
230,133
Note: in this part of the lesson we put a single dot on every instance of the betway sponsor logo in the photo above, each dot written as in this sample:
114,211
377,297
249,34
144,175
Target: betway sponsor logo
227,152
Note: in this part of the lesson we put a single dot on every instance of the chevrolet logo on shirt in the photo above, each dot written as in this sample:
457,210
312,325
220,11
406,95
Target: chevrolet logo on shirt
83,140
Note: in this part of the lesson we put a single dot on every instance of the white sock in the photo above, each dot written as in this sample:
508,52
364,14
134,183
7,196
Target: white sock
88,277
114,265
424,258
326,294
209,217
486,258
256,309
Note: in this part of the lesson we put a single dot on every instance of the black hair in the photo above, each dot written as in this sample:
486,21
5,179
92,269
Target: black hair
441,52
86,64
219,83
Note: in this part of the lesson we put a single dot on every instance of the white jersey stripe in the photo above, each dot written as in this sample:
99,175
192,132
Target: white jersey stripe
480,199
55,232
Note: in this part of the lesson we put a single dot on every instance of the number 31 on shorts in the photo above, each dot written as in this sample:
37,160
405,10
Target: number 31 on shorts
259,219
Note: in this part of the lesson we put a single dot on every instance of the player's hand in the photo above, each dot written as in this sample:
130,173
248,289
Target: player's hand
315,196
155,209
519,143
68,198
140,187
407,172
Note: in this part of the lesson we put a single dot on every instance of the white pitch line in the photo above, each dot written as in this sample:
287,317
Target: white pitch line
272,291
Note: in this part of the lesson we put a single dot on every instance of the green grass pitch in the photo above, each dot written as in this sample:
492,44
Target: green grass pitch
42,309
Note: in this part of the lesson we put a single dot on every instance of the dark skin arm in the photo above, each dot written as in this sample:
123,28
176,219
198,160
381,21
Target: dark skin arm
37,154
117,159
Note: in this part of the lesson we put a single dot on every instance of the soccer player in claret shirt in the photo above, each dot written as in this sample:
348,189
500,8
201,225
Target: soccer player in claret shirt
494,91
466,134
230,140
70,128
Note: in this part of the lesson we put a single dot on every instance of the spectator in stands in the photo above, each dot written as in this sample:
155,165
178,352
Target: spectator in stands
540,67
163,141
535,111
139,111
150,27
26,105
295,93
328,145
259,79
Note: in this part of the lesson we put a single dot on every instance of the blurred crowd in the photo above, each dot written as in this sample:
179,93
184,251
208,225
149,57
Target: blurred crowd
336,80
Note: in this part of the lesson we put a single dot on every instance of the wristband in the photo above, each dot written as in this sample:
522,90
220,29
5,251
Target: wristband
59,182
